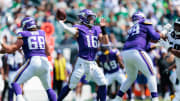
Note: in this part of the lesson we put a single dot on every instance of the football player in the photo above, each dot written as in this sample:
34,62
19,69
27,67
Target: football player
135,56
87,35
36,50
174,47
111,62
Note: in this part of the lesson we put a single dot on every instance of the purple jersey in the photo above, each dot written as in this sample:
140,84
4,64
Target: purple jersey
88,41
109,62
139,36
33,43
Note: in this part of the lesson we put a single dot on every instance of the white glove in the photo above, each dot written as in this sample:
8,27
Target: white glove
166,29
167,26
165,44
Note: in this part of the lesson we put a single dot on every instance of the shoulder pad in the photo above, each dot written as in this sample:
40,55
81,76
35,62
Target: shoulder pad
147,22
19,35
98,29
77,26
81,27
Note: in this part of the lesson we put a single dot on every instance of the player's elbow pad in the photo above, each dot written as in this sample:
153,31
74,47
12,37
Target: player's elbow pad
68,29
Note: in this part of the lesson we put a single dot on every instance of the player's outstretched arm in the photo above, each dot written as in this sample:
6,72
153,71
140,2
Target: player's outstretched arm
103,38
61,17
68,29
11,48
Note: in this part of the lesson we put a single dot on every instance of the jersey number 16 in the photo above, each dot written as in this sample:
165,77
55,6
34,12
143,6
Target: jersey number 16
92,41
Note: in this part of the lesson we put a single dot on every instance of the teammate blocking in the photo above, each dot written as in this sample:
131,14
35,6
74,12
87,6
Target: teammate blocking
87,36
135,57
36,50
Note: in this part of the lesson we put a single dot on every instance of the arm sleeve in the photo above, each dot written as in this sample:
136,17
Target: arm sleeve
68,29
98,29
152,33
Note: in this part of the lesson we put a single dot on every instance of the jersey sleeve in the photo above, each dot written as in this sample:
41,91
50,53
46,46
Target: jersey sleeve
152,33
78,27
98,29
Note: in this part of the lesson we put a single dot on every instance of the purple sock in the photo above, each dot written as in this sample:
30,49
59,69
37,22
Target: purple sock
129,94
51,95
101,93
120,93
63,93
16,88
10,94
154,94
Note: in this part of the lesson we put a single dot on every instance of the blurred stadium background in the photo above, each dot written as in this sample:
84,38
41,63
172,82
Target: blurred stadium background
118,17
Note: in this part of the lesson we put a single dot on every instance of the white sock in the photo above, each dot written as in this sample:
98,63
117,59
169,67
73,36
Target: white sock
19,98
118,98
155,99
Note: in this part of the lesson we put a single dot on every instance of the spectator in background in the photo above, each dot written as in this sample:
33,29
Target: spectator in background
61,4
14,61
67,40
59,71
4,72
164,63
142,81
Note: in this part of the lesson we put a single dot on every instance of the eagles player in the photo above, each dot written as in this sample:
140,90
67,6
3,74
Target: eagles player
111,62
174,41
36,51
135,56
87,36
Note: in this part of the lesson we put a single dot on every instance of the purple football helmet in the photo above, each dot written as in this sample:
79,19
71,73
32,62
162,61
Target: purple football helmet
27,23
138,16
86,15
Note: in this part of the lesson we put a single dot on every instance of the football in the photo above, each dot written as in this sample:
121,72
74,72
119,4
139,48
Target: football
60,14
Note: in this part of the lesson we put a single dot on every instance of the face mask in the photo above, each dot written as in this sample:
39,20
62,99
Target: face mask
91,20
